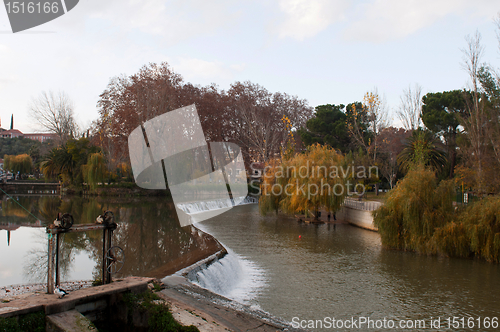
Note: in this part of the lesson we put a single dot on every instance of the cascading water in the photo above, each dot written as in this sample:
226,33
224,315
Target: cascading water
203,206
232,276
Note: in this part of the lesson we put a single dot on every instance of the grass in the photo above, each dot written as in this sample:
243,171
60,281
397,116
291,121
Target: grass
159,317
34,322
370,196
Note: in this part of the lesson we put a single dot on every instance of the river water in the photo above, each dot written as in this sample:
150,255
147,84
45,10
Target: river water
311,272
299,272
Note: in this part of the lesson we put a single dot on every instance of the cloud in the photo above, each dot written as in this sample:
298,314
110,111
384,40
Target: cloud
306,18
173,20
191,69
383,20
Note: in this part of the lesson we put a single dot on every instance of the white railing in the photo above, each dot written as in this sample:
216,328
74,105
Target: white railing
361,205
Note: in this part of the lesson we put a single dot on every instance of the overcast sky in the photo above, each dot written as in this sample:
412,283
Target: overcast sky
326,51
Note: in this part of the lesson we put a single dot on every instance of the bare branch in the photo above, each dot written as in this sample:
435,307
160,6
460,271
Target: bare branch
410,107
54,113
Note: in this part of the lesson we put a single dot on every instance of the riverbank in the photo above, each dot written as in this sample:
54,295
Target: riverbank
188,303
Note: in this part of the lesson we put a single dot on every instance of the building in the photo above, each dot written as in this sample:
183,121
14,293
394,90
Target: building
13,133
41,137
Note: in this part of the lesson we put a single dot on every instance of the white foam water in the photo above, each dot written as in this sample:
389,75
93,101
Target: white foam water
232,276
216,204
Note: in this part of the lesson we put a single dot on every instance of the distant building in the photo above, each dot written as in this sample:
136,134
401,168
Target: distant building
13,133
41,137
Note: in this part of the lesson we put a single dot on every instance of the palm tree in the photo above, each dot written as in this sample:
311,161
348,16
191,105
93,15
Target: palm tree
422,149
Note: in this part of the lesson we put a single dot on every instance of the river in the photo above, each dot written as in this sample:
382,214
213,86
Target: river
296,271
311,272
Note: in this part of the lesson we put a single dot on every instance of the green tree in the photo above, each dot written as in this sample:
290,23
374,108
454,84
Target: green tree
440,114
414,210
422,150
21,164
17,146
95,170
67,160
328,126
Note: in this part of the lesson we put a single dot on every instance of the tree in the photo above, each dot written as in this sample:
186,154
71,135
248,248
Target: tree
391,142
328,126
476,117
66,161
421,149
54,113
410,108
21,164
247,114
305,183
441,114
365,123
95,170
414,210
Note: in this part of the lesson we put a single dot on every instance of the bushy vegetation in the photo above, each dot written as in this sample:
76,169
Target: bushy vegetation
21,163
304,183
160,317
474,233
34,322
413,211
419,216
18,145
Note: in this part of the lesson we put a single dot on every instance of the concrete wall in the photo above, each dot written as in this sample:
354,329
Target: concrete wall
357,217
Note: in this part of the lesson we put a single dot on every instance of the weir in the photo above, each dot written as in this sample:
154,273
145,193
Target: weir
216,204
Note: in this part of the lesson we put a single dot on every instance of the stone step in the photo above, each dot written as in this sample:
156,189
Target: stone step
69,321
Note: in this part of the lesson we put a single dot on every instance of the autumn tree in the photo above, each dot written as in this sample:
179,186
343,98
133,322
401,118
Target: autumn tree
365,121
256,115
54,112
305,183
247,114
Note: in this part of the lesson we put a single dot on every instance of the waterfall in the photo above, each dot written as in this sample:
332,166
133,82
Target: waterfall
233,277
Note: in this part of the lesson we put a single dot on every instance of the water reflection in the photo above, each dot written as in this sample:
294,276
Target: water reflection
148,231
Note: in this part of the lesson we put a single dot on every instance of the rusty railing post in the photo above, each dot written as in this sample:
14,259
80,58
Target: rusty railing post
104,260
57,259
50,268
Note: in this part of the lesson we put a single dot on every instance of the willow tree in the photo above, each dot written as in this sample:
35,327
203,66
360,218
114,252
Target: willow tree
414,210
305,183
22,164
95,170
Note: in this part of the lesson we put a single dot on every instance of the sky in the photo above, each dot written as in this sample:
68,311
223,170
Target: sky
325,51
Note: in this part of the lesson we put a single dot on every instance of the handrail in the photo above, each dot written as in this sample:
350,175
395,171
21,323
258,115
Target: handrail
365,205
